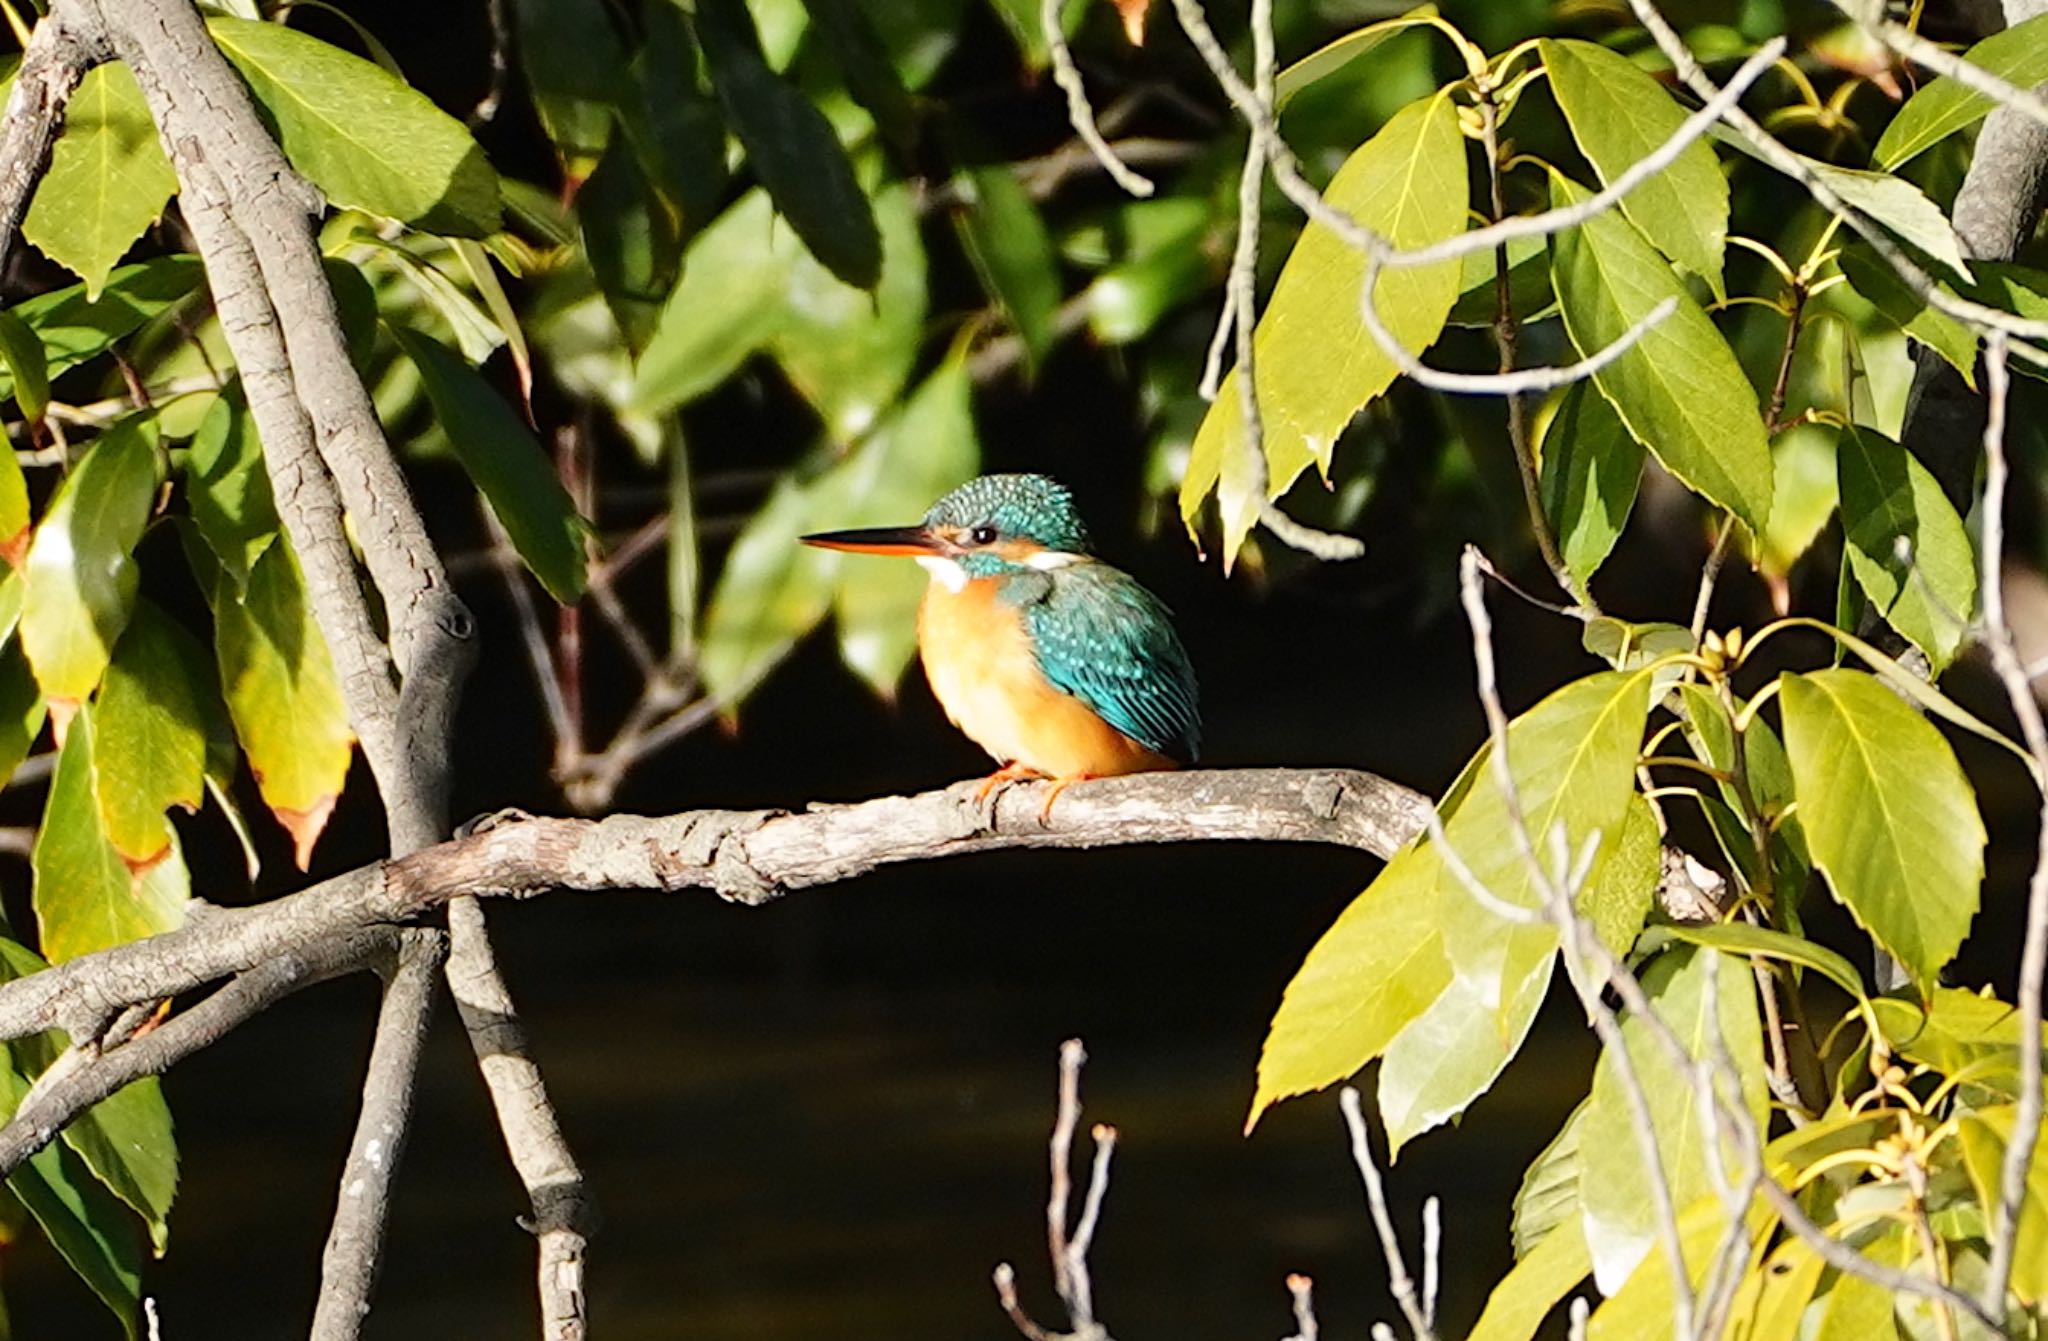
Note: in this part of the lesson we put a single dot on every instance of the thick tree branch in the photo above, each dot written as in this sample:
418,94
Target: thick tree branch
355,1244
59,52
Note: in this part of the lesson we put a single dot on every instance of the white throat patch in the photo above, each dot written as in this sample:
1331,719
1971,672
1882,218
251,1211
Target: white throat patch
946,572
1048,559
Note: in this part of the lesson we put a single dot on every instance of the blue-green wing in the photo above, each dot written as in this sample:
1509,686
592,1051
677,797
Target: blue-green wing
1110,643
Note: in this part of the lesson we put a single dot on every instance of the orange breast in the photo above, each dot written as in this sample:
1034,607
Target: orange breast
984,674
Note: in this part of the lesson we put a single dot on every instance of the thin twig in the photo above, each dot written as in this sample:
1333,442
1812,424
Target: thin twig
1068,76
1399,1282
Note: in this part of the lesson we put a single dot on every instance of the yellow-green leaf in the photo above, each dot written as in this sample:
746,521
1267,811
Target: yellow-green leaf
1326,60
21,708
1985,1135
1525,1296
729,301
2019,55
771,592
74,326
150,722
1679,388
227,486
1905,544
1316,363
1591,467
80,576
86,896
1548,1199
1772,1299
282,695
1957,1033
1887,813
1643,1306
1453,1052
108,178
29,366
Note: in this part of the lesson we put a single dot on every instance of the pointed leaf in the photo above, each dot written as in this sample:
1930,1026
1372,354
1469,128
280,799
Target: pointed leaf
507,464
1771,1301
1614,1185
1526,1295
1854,1309
1740,938
791,147
21,708
80,576
1900,206
1454,1051
1876,281
1316,363
365,137
1678,389
633,240
107,182
1622,885
1591,467
1549,1196
730,300
227,486
2018,55
86,897
864,64
74,328
1985,1135
29,367
1328,59
1620,115
1906,545
1887,813
571,55
150,723
923,450
1957,1032
1006,240
1803,496
283,696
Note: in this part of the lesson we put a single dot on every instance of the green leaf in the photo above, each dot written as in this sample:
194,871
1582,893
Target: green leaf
1525,1296
74,327
1591,467
81,578
1803,496
791,147
508,465
1877,282
365,137
1023,19
1529,294
847,350
1549,1196
1643,1306
1985,1134
1316,363
30,369
1898,205
633,240
1620,115
1006,241
1906,545
921,451
674,123
227,486
1740,938
21,707
1377,968
1627,646
125,1139
1614,1186
1854,1309
86,896
1887,813
282,695
1453,1052
1956,1032
2019,55
1328,59
107,182
864,64
730,300
771,592
151,723
1623,882
1771,1300
82,1221
572,58
1678,389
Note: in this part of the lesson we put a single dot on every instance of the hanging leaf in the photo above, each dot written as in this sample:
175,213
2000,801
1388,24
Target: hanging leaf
1549,1196
1453,1052
227,486
21,707
1334,56
571,56
365,137
86,896
107,182
501,455
771,592
729,301
1591,467
1900,206
1678,389
80,576
1620,115
1803,497
2018,55
1906,545
925,449
282,695
673,123
865,66
1005,239
632,239
29,369
1316,363
1539,1282
791,147
74,327
1617,1206
1887,813
151,722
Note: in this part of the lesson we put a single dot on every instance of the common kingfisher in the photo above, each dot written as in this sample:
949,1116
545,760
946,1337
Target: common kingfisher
1056,663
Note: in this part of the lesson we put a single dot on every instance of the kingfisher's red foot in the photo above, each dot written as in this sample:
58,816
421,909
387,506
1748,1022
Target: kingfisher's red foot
1052,794
1010,772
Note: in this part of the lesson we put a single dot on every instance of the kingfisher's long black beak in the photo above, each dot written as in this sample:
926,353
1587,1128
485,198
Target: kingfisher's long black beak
910,540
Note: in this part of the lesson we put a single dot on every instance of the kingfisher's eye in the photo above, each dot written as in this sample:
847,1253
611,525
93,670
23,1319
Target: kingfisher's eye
983,534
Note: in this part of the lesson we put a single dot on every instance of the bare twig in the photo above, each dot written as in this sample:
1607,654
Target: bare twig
1302,1291
1068,76
1399,1282
355,1243
1069,1251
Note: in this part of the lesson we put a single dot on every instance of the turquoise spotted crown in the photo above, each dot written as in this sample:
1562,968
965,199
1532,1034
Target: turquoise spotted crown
1020,507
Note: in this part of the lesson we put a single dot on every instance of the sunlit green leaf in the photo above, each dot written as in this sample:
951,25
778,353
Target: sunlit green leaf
227,486
1803,496
1771,1300
923,450
74,328
730,300
1898,205
150,723
1331,57
1880,284
1985,1134
1620,115
1614,1184
1678,389
1887,813
1525,1296
1855,1309
21,708
1529,294
1316,363
81,578
791,147
770,593
87,897
29,368
1549,1196
2018,55
1906,545
1453,1052
108,179
283,696
365,137
1957,1032
1006,240
1591,467
1740,938
508,465
1623,882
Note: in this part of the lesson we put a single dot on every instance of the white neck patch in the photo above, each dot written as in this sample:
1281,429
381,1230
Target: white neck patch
1048,559
946,572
